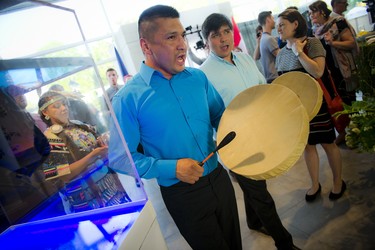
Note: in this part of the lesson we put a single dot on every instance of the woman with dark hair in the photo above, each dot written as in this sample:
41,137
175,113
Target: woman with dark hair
308,55
338,39
78,157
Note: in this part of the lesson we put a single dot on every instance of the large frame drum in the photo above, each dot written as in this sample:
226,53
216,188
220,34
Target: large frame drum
272,127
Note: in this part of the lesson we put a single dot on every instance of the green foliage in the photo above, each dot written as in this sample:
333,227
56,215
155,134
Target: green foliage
352,4
360,133
366,69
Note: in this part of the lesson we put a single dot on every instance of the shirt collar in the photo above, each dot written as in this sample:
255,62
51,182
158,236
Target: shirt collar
147,73
218,58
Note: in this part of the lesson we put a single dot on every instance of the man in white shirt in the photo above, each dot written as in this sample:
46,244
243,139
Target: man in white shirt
232,72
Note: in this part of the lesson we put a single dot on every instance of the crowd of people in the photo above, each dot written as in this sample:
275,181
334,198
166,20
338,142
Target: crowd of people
162,88
171,111
141,103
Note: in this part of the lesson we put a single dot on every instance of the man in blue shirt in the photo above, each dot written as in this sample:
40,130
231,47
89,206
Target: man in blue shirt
172,111
231,73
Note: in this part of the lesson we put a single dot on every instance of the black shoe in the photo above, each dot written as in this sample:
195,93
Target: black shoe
333,196
312,197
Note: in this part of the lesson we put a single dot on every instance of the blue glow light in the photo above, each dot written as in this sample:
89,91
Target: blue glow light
99,230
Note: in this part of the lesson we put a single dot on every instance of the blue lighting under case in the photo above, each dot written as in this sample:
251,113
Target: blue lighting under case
101,229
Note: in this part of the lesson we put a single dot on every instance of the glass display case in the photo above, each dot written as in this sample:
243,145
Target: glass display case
61,186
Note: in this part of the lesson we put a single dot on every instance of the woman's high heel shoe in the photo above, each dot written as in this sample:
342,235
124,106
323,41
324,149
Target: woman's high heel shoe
334,196
312,197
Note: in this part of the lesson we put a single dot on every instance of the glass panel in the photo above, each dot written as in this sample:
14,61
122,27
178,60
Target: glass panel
91,17
28,32
102,50
55,127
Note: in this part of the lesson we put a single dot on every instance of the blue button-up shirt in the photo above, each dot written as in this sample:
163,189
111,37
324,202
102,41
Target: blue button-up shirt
172,119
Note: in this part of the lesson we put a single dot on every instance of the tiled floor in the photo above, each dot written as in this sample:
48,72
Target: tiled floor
348,223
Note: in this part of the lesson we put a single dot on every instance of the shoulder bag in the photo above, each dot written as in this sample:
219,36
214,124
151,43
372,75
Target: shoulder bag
334,104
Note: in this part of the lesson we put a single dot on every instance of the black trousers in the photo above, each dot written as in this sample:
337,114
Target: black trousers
206,212
261,211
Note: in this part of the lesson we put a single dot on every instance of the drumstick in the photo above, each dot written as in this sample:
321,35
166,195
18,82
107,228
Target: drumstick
227,139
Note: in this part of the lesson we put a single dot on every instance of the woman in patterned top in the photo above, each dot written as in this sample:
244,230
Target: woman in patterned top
308,55
78,157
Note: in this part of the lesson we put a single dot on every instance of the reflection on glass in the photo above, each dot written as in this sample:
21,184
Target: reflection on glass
76,148
48,175
23,150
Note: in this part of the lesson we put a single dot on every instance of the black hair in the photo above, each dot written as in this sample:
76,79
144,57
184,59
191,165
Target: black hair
262,17
293,15
110,69
152,13
213,23
259,30
321,7
292,8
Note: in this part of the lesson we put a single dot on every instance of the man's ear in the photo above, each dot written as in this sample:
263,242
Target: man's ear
144,46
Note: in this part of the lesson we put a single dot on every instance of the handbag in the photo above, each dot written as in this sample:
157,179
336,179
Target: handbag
334,104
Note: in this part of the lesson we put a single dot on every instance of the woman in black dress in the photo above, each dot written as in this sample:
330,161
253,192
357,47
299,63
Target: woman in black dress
308,55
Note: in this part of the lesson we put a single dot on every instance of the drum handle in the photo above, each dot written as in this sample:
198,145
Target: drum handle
227,139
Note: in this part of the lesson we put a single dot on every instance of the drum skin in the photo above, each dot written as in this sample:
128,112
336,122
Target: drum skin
306,88
271,126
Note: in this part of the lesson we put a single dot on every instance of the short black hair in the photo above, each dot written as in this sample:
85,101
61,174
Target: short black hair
110,69
263,16
292,8
213,23
152,13
293,15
